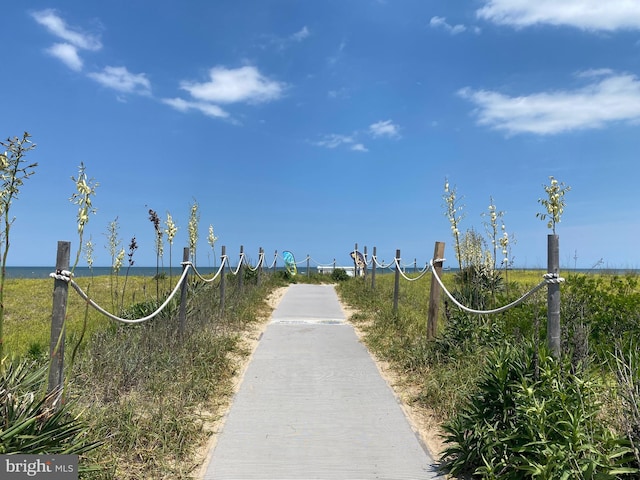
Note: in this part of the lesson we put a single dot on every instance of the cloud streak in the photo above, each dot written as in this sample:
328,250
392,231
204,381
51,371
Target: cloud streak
441,23
121,80
610,98
606,15
381,129
56,25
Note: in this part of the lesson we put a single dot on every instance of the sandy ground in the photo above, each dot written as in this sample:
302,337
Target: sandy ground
422,420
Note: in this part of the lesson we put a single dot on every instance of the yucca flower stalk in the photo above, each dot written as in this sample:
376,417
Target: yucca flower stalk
113,244
88,253
85,189
554,203
133,246
453,211
492,228
211,239
171,231
13,172
194,218
158,247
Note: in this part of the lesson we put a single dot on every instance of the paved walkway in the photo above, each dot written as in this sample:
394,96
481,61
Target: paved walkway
312,405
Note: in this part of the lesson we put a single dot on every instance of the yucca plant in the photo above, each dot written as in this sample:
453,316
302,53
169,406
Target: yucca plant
533,418
31,423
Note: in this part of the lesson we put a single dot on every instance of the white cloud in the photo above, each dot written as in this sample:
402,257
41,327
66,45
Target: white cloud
244,84
208,109
441,22
68,54
120,79
385,128
335,140
57,26
359,147
605,15
610,98
301,34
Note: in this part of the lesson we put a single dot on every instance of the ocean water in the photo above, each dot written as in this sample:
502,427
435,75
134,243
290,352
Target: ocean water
43,272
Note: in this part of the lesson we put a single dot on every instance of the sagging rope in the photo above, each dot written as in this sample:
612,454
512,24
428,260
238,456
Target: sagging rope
423,272
380,265
260,262
66,276
217,274
548,278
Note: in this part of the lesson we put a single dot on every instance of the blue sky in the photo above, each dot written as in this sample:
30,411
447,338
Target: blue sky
312,126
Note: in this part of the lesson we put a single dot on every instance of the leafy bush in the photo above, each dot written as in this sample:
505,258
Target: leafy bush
533,418
339,275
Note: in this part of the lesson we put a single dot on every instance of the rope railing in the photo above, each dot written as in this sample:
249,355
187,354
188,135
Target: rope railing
423,272
258,265
548,279
382,265
67,277
216,275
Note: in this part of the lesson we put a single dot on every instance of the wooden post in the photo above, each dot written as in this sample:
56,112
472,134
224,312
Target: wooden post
308,258
240,267
275,261
373,270
58,315
260,263
434,293
355,261
222,277
182,314
365,261
553,296
396,284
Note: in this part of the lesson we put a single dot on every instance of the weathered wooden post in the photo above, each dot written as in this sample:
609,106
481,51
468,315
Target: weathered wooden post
365,261
223,256
355,261
260,263
240,267
373,270
434,292
182,315
58,315
275,261
308,258
396,284
553,295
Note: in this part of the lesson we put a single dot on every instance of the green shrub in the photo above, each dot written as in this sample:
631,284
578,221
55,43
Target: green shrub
533,418
339,275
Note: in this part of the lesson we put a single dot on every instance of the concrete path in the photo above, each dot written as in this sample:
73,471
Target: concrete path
312,405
